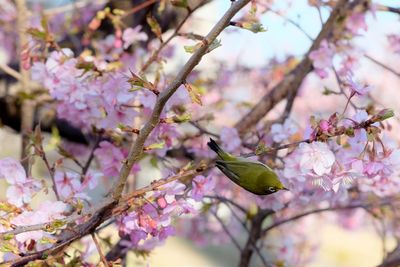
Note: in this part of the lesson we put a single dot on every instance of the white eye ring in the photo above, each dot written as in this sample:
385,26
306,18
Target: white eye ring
271,189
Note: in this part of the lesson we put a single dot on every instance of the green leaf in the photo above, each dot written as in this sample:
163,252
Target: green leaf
192,48
180,3
37,34
8,247
156,146
154,26
194,93
255,27
154,162
136,80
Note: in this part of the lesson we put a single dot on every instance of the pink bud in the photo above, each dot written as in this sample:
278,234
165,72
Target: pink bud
324,125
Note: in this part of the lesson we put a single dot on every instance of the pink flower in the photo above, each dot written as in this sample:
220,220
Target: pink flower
357,88
322,58
12,171
282,132
91,179
356,22
134,35
110,158
67,183
200,186
21,188
47,212
316,157
394,42
21,193
230,139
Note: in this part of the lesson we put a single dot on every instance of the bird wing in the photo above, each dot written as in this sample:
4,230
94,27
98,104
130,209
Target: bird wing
223,166
243,172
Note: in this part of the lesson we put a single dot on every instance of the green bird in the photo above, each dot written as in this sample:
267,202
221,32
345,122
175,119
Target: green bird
252,175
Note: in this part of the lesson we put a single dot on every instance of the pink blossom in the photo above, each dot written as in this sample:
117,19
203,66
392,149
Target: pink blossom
91,179
133,35
357,88
282,132
47,212
200,186
322,58
356,22
230,139
110,158
21,193
67,183
12,171
21,188
394,42
316,157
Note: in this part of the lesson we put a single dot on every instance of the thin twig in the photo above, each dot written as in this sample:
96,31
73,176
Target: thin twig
299,216
139,7
10,71
91,156
155,54
235,242
383,65
98,247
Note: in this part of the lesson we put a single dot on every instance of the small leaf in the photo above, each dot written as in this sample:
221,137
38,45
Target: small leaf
180,3
194,93
135,80
215,44
47,240
155,146
54,225
8,208
154,26
154,162
255,27
7,236
8,247
37,34
192,48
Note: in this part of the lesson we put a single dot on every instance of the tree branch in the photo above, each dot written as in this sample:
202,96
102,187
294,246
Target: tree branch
332,31
136,149
352,206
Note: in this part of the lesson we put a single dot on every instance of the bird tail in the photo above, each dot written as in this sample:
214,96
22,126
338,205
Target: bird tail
216,148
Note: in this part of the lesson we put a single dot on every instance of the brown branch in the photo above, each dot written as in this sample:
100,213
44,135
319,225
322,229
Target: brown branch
254,235
392,259
136,149
99,250
332,31
10,71
383,115
139,7
28,106
304,214
383,65
388,9
155,54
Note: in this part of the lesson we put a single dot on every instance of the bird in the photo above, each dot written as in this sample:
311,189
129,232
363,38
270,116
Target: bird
251,175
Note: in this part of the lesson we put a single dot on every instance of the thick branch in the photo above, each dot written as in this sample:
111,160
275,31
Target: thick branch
136,149
332,31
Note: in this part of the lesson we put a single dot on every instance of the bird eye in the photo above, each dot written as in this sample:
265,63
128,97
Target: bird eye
271,189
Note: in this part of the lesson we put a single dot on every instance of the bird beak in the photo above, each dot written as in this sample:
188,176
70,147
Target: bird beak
285,189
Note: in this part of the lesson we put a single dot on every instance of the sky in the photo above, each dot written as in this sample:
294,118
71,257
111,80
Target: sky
281,38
